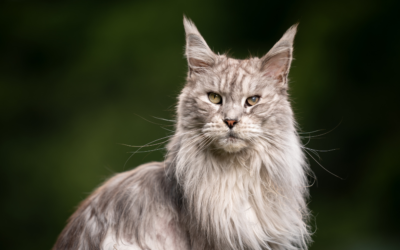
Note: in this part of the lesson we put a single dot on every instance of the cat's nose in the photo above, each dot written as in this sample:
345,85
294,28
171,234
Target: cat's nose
230,122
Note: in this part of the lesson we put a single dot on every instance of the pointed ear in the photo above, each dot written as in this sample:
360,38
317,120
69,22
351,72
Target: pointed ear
197,52
276,63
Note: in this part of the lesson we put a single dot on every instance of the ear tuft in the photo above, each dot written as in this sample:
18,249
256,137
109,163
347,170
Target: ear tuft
197,52
189,26
290,34
276,63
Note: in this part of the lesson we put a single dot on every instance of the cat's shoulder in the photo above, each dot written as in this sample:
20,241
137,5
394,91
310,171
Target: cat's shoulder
135,207
149,177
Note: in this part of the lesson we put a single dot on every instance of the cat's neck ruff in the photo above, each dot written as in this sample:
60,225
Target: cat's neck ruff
246,199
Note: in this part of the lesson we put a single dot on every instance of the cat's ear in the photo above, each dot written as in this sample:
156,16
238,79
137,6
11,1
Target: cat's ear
198,54
276,63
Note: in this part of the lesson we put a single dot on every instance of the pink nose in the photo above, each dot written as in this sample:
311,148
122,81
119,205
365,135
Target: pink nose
230,123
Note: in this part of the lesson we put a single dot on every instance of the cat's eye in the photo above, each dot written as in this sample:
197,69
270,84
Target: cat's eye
215,98
252,100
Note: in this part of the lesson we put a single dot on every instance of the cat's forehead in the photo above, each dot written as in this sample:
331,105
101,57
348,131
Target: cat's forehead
235,76
230,65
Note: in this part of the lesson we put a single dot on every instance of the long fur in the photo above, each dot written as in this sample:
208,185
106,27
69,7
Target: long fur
219,188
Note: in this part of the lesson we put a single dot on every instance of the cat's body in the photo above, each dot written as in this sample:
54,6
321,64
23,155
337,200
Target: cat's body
234,176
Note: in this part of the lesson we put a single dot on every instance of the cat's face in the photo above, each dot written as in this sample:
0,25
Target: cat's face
233,104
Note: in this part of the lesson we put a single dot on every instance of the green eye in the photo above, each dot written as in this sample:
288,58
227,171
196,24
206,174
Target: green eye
252,100
215,98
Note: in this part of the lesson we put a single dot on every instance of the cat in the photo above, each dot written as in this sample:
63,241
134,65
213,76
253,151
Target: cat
234,177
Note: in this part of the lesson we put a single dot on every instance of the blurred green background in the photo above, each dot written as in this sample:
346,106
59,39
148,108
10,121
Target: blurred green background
79,79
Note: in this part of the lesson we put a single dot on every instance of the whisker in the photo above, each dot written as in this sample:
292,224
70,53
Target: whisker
324,129
312,151
131,146
309,139
314,178
147,151
153,122
169,130
323,166
310,132
327,150
163,119
144,146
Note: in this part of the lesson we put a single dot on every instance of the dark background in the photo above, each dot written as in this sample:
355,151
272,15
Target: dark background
79,79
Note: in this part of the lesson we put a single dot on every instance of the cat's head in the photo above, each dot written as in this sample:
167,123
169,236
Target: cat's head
236,104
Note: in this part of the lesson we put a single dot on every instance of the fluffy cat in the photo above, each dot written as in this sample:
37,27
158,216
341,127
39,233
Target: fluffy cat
234,176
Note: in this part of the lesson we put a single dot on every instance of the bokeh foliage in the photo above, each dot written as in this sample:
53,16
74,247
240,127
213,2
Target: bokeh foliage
79,79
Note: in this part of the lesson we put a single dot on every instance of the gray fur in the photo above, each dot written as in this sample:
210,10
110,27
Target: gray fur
219,188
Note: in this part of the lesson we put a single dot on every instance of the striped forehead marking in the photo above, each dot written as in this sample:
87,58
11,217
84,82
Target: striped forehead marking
235,76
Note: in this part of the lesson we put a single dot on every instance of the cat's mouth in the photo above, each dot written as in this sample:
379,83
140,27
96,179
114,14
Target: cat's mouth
232,138
226,140
231,143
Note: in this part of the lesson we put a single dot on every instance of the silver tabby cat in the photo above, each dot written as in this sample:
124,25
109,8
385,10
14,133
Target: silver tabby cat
234,176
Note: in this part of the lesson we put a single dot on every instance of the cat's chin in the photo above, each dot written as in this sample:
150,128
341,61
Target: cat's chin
231,144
